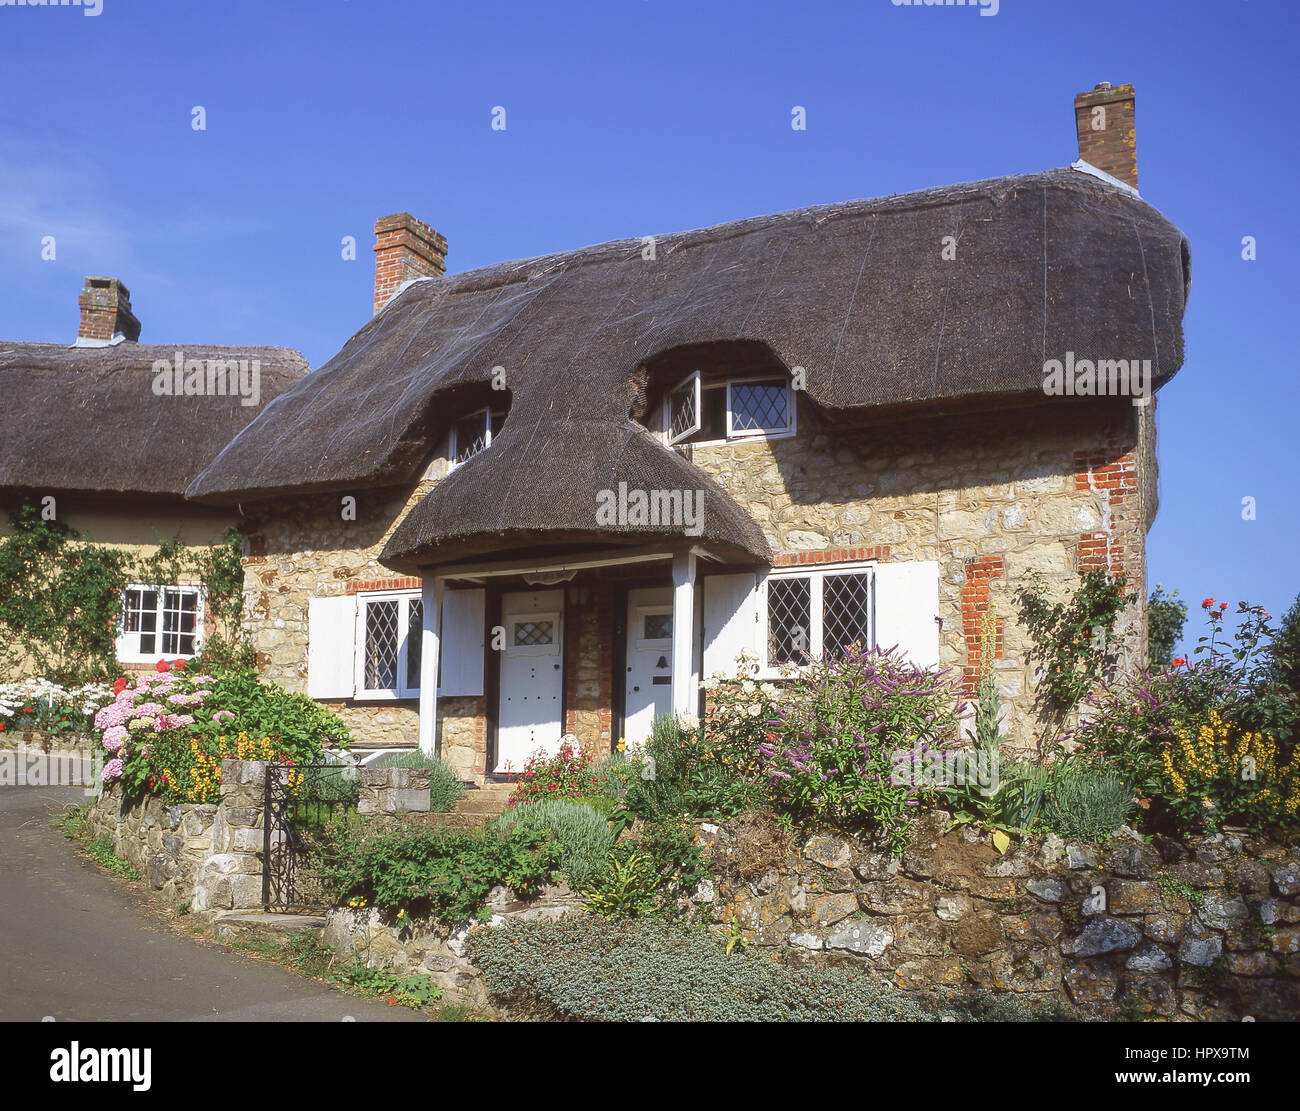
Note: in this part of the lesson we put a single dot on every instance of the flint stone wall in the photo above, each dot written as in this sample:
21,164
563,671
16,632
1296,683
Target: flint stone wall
1202,929
210,855
435,950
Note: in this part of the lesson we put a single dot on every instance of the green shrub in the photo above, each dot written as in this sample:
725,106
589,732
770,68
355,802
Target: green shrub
405,867
445,786
582,831
1090,803
584,967
648,875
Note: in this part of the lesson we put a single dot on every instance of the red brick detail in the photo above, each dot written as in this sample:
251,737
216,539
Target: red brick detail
365,585
405,249
832,555
974,605
1112,472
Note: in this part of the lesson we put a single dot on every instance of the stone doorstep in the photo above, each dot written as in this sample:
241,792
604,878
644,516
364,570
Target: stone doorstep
266,926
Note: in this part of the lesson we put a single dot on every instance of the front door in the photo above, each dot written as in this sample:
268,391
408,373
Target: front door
531,692
649,689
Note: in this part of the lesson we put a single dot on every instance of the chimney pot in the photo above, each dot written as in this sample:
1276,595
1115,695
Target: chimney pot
106,311
405,249
1105,121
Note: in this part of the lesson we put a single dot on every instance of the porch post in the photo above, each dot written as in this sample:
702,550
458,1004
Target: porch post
430,640
684,694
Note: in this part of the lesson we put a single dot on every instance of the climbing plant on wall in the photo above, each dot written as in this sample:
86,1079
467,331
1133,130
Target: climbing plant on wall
61,596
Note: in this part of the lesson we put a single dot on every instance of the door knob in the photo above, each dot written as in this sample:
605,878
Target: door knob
636,688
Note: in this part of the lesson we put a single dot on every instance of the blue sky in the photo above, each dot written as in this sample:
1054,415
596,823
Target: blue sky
635,117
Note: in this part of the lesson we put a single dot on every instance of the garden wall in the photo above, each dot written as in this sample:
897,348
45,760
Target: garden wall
1206,929
210,855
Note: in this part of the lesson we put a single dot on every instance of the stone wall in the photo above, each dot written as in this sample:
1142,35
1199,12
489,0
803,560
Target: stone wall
210,856
1207,929
990,496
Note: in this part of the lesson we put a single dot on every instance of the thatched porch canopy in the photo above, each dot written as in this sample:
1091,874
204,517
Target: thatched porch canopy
859,294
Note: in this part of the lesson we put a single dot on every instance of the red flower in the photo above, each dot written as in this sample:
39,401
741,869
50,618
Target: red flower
28,710
1179,661
120,685
1206,603
179,665
1223,605
2,726
161,665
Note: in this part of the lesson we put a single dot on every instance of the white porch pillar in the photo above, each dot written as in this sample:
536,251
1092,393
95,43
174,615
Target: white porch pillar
430,642
685,697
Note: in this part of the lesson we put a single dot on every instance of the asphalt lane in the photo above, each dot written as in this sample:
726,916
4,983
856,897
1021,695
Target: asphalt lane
77,944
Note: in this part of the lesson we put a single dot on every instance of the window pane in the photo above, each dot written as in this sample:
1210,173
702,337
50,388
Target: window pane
471,435
414,631
760,406
682,413
533,632
179,613
846,613
381,645
658,626
789,626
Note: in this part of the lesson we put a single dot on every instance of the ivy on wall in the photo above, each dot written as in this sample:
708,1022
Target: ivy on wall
61,596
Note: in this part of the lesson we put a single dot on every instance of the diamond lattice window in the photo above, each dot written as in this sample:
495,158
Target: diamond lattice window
760,406
789,625
529,633
382,642
846,613
414,630
684,410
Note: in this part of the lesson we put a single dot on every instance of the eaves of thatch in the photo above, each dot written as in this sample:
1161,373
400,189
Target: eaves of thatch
86,420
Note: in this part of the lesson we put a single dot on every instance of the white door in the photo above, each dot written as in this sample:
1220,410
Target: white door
532,676
649,674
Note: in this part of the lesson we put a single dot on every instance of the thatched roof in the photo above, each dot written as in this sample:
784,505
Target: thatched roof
859,294
86,419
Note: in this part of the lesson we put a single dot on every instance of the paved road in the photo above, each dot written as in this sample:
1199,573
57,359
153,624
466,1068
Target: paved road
78,944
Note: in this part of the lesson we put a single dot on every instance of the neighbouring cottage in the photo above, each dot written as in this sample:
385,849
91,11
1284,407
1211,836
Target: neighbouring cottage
88,435
609,471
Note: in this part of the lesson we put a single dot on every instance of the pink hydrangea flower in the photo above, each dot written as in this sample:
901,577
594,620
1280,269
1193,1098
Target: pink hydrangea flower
112,770
221,715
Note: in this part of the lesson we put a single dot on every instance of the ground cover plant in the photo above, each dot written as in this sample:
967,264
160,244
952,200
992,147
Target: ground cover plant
584,967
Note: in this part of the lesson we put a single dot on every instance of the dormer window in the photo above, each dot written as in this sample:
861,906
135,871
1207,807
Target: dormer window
700,412
473,433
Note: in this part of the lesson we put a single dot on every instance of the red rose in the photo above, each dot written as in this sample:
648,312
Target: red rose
161,665
1179,661
120,685
1223,605
1206,603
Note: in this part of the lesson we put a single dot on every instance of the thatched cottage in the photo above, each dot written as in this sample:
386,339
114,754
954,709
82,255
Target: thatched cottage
550,495
94,435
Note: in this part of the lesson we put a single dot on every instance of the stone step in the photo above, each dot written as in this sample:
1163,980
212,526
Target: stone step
261,925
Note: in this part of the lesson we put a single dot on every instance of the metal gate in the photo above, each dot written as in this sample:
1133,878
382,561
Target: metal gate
298,798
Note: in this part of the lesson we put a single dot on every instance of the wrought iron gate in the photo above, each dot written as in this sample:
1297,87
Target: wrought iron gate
297,799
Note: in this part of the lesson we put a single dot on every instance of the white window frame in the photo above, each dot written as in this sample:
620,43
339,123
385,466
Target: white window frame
452,461
402,690
552,649
816,598
641,613
761,433
128,655
731,436
692,382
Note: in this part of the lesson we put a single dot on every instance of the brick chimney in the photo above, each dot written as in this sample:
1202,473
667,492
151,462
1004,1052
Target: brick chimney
106,311
1107,136
405,248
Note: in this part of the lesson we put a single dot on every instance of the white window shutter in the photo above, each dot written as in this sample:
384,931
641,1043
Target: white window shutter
461,652
907,609
331,646
730,621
